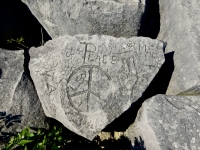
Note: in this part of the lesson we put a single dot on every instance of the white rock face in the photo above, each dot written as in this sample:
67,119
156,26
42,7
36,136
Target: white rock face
168,122
86,82
105,17
180,29
19,104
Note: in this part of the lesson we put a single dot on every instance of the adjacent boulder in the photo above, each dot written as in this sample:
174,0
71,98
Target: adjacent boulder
86,82
168,122
26,103
19,104
11,70
180,29
108,17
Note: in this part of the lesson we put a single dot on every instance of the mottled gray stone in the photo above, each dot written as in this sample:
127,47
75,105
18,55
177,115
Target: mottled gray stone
86,82
19,104
27,103
180,29
168,123
106,17
11,70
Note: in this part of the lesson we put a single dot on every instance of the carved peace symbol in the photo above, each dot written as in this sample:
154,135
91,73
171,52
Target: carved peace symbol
88,88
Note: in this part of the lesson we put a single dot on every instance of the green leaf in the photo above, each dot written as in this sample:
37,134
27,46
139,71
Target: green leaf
25,148
31,135
54,127
50,134
23,142
24,132
55,147
19,136
59,138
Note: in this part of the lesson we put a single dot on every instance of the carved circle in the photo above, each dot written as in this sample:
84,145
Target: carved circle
88,89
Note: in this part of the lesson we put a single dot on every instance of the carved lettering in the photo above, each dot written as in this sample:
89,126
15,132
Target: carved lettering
89,48
70,51
131,46
104,59
142,48
114,60
125,66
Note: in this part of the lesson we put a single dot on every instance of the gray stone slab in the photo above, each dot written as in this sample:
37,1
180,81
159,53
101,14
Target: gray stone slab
168,122
86,82
11,70
24,110
20,106
106,17
180,29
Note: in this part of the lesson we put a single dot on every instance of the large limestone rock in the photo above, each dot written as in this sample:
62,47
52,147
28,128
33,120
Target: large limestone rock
19,104
180,29
168,122
86,82
107,17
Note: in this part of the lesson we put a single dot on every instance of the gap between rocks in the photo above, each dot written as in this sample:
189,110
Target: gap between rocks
18,21
150,22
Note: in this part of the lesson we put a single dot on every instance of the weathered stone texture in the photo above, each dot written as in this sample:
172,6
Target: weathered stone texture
106,17
11,70
180,29
24,109
19,104
168,122
86,82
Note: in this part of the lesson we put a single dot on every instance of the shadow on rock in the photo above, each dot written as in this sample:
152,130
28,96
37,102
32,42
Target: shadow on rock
123,143
158,86
150,22
7,121
139,144
76,142
0,72
17,21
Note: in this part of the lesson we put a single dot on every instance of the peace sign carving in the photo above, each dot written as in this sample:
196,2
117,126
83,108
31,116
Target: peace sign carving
88,89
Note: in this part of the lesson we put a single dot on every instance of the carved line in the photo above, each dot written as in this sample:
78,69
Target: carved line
85,91
79,93
89,85
88,66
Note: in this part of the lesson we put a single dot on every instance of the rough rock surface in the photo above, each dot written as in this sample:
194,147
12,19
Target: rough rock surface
180,29
11,70
168,122
86,82
107,17
19,104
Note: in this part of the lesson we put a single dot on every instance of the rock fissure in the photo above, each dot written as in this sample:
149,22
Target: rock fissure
172,104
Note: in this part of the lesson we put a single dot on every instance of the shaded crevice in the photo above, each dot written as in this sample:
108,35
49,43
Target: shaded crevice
110,143
158,86
150,22
0,73
18,21
26,65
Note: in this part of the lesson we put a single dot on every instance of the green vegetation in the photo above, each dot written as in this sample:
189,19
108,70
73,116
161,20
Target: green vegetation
60,138
40,140
19,41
